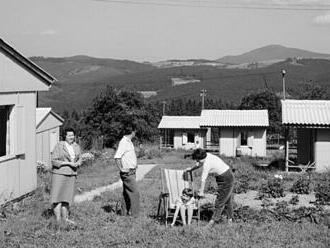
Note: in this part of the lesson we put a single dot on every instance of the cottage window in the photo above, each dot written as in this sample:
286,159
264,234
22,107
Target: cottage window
191,137
215,135
244,138
5,132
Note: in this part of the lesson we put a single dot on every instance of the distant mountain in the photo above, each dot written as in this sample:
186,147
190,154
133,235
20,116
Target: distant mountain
84,69
270,53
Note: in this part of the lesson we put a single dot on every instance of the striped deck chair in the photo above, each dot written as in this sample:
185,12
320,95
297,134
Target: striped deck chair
173,182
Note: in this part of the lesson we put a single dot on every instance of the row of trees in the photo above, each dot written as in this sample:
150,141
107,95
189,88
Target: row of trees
114,109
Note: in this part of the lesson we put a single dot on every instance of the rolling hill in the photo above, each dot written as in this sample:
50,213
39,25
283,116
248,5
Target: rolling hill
226,84
84,69
81,78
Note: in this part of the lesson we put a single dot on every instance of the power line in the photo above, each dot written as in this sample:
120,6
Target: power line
208,4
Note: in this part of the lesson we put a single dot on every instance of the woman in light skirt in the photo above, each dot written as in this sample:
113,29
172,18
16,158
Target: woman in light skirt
65,158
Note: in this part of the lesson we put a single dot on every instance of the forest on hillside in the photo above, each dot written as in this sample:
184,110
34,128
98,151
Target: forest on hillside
113,109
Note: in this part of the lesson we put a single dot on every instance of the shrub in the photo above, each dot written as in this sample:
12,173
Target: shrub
294,200
301,186
322,193
242,185
272,188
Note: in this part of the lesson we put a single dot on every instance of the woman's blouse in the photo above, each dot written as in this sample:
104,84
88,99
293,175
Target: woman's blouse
70,150
213,164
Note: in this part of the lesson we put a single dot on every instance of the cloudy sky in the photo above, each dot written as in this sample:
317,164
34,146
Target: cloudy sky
153,30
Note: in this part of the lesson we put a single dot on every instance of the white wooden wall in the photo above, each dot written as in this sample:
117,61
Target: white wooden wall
230,141
18,174
322,150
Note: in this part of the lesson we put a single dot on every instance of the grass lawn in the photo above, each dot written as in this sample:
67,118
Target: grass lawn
27,224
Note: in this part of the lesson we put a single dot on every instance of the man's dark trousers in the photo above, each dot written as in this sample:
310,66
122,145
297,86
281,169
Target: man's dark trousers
131,193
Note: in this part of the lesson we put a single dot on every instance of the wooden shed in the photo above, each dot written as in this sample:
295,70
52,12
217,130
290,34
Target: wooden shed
48,133
311,119
240,132
20,79
181,132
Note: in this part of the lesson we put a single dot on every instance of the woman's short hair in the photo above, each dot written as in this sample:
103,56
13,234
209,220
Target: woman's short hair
198,154
67,130
187,191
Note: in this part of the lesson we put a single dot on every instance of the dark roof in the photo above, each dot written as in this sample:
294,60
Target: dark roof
26,63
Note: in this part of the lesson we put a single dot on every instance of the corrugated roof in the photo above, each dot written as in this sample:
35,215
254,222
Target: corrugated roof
234,118
180,122
42,113
306,112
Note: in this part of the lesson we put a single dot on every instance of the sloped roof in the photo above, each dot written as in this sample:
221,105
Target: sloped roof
180,122
42,113
306,112
26,63
234,118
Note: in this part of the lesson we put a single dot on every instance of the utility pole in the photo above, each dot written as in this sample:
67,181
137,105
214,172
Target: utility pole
286,131
164,106
283,82
203,94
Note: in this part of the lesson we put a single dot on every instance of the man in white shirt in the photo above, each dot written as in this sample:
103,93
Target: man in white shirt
126,162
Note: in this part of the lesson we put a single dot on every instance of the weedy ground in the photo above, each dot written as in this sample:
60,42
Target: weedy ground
30,222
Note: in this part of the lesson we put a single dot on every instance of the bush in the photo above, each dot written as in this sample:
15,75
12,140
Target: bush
322,193
301,186
242,185
294,200
272,188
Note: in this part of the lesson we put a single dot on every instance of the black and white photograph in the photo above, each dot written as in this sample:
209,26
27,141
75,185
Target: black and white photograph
164,123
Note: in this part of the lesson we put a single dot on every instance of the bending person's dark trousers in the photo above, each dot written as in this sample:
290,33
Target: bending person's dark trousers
224,195
131,193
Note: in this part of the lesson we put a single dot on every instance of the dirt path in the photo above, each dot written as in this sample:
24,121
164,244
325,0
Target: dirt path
143,169
250,199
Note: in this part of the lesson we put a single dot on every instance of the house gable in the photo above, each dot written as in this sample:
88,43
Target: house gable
49,122
14,78
19,74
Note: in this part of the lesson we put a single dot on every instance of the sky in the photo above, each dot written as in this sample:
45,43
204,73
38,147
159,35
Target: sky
155,30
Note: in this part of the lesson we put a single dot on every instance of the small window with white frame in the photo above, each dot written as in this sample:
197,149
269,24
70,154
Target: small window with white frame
6,130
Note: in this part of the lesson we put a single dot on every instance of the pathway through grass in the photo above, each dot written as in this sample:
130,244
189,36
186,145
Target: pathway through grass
143,169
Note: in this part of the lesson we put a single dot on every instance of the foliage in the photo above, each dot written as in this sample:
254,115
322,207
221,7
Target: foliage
301,186
265,99
322,192
191,107
112,111
271,188
241,185
149,152
294,200
71,120
311,91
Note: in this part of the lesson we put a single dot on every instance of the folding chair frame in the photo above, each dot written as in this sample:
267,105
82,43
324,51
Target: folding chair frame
164,200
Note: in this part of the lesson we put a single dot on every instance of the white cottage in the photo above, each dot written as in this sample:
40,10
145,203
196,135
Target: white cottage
240,132
181,132
20,79
48,133
311,118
